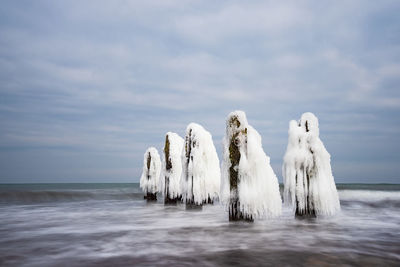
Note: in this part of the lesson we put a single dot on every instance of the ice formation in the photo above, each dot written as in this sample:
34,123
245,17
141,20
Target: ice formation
170,181
250,188
201,176
151,171
309,184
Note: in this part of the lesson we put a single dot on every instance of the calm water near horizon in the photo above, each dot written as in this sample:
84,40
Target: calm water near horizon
111,224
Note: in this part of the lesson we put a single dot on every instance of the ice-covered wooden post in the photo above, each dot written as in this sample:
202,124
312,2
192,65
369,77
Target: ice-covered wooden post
151,174
172,168
237,138
189,179
250,188
201,172
308,181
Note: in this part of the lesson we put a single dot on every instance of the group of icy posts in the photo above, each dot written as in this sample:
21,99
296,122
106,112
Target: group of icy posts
247,185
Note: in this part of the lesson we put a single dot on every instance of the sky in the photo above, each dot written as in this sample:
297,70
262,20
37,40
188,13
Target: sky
87,86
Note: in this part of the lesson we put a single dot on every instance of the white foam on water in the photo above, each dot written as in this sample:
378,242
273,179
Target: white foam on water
368,195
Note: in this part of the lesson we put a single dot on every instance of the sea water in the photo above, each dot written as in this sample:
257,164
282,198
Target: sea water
112,225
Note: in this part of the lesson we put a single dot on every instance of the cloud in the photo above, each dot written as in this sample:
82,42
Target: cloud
111,78
240,21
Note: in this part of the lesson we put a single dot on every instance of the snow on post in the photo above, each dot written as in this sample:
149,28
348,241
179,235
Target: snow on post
249,185
201,176
307,174
151,173
172,168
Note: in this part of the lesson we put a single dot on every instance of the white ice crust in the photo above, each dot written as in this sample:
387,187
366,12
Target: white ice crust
203,169
150,178
306,155
258,187
175,173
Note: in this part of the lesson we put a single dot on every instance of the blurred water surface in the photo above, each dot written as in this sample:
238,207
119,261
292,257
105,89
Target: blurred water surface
111,224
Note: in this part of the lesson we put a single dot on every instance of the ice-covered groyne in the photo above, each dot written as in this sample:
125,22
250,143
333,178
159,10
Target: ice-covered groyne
151,173
308,181
201,176
250,187
170,181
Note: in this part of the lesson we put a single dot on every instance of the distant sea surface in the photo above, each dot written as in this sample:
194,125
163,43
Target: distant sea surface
112,225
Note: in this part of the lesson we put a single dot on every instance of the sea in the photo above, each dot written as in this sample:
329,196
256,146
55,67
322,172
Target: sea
113,225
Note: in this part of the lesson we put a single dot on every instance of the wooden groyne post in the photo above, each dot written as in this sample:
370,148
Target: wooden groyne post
168,166
149,196
189,142
308,211
238,139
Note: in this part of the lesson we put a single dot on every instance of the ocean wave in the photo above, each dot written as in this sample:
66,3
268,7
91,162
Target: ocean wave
52,195
27,197
371,199
368,196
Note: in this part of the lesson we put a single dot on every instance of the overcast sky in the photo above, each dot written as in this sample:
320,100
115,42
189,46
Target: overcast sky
87,86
